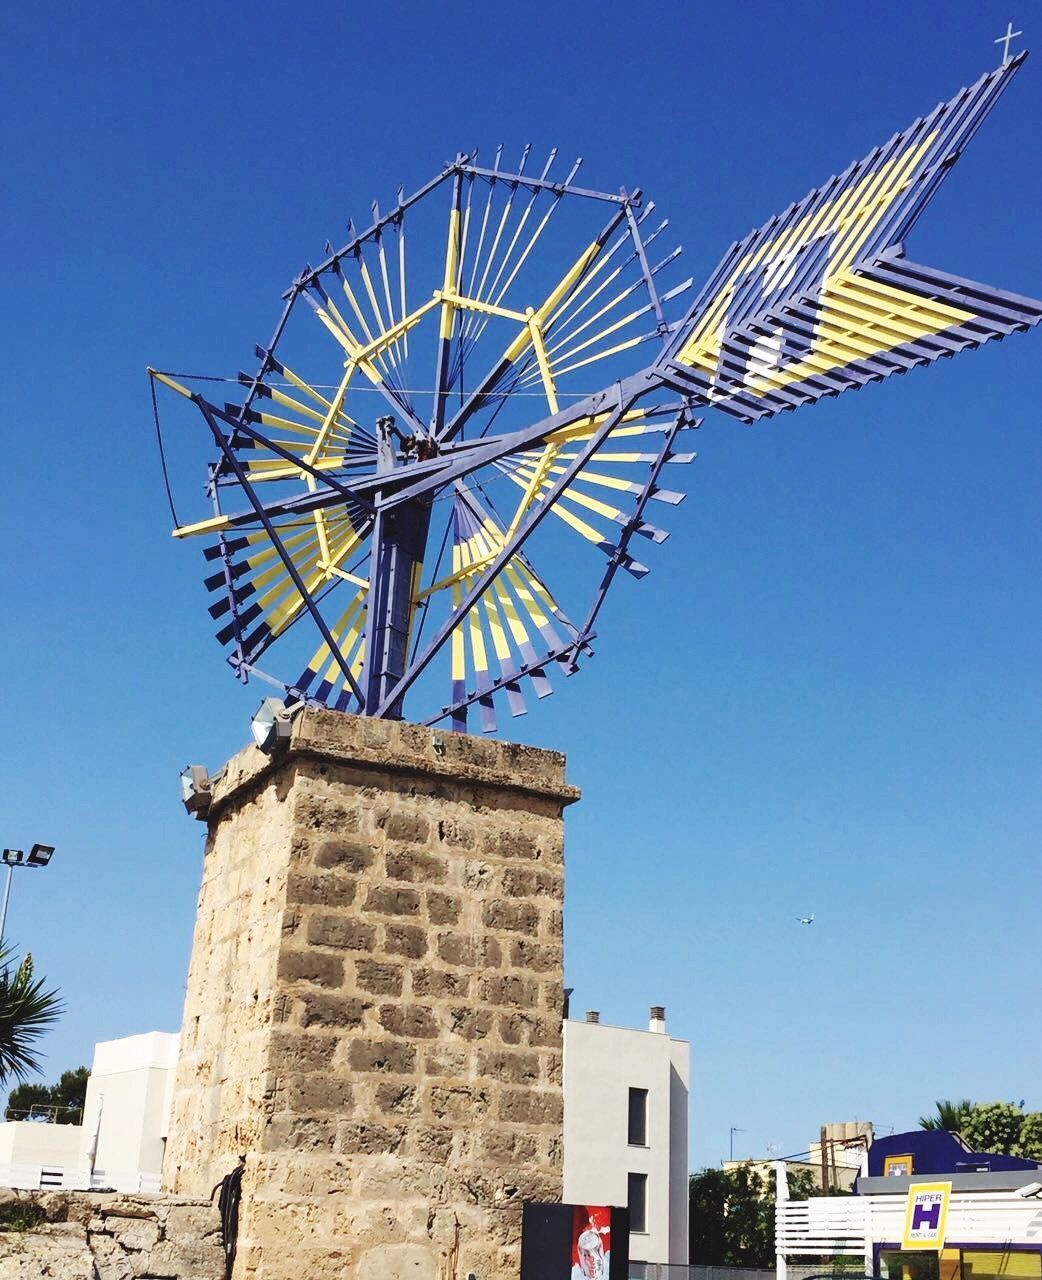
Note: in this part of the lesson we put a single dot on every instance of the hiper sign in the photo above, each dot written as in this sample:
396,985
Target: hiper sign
925,1215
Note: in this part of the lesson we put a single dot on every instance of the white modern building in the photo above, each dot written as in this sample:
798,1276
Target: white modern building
625,1129
127,1108
120,1143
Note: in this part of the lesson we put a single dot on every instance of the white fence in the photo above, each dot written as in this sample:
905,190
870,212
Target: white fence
974,1217
37,1177
845,1229
833,1227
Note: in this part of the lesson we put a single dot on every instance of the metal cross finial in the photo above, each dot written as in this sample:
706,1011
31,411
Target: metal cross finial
1004,41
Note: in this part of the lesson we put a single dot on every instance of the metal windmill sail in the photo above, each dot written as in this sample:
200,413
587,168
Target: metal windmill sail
374,525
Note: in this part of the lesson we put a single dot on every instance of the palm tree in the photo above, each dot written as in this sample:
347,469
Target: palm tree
950,1115
26,1011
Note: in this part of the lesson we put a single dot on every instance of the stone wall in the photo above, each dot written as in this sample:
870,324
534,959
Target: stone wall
374,1001
93,1236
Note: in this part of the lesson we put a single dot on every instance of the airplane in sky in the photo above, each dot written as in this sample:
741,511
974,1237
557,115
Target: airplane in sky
805,919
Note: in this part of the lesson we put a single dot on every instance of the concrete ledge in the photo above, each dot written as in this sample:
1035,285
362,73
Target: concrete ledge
407,748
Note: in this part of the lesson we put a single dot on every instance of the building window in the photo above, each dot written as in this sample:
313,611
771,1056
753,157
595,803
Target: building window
638,1130
638,1201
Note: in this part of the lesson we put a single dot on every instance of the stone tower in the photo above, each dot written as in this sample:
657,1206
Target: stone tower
374,1002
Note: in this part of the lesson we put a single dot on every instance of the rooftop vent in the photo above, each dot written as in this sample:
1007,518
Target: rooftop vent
592,1015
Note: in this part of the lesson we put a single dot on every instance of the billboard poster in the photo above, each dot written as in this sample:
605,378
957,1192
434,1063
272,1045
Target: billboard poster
574,1242
926,1212
591,1241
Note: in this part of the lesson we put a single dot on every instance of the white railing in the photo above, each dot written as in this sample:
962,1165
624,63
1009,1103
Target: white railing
42,1177
837,1227
974,1217
847,1228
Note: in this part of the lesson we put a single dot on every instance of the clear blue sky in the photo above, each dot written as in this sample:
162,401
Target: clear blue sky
825,697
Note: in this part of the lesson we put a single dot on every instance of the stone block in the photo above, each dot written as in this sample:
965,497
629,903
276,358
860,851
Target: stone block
407,940
369,1139
537,956
311,966
320,1094
340,853
409,1021
459,1102
472,953
510,844
392,900
509,991
415,866
447,1061
471,1024
328,930
531,1106
431,1142
515,917
411,827
330,1011
460,835
440,984
292,1133
379,979
323,889
399,1262
385,1056
509,1066
522,882
397,1099
443,908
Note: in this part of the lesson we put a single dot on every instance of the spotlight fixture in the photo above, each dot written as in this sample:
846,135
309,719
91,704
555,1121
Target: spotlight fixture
1030,1190
39,856
272,724
195,790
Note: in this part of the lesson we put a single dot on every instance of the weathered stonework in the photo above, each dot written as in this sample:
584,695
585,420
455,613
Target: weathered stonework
374,1002
97,1236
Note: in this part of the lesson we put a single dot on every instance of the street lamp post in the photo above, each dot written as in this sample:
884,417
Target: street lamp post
39,856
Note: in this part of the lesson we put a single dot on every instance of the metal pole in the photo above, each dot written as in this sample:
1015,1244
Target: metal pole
824,1163
3,909
781,1196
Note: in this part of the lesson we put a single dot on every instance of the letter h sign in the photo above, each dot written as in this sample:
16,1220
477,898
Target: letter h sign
925,1215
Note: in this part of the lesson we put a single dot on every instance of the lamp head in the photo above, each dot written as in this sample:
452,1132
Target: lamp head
195,790
13,857
1029,1190
271,725
40,855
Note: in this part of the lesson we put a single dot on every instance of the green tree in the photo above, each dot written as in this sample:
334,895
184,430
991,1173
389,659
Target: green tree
731,1214
26,1011
68,1094
994,1126
1029,1144
950,1115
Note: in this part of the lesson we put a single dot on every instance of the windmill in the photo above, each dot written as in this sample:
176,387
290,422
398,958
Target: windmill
380,491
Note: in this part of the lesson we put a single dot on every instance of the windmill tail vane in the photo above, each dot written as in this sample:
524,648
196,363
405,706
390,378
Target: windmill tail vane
380,496
821,299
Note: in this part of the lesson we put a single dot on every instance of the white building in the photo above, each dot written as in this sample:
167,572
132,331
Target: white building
127,1108
120,1143
625,1129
